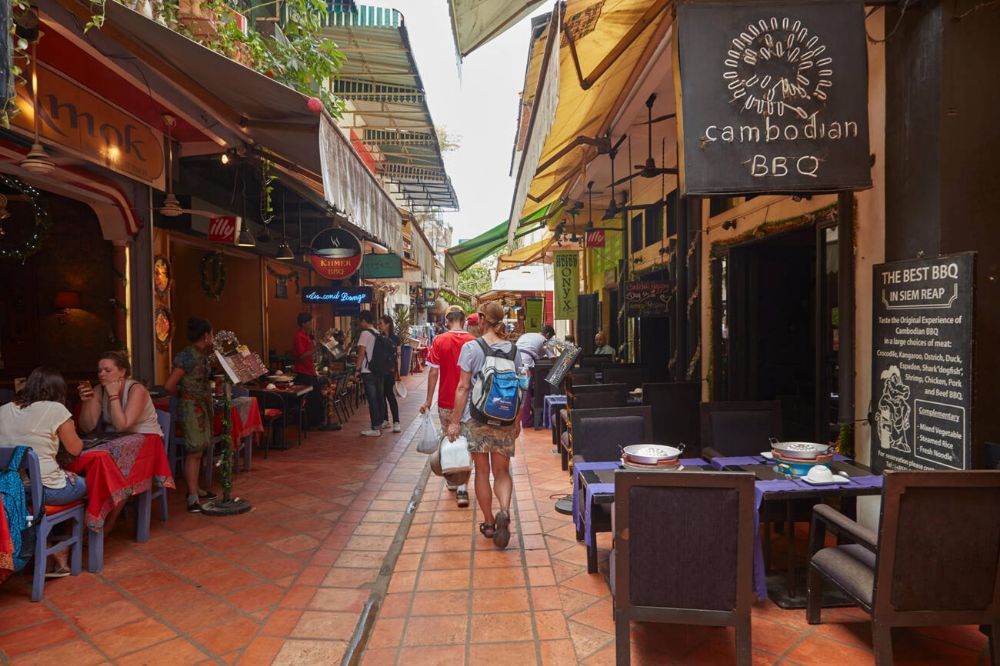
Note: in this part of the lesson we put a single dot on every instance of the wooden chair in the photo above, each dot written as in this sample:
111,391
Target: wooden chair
595,395
272,414
738,428
934,561
599,433
675,414
595,361
631,375
683,553
539,389
581,375
144,501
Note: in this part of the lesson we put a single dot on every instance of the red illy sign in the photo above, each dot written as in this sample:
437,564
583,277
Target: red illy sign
335,253
224,229
595,238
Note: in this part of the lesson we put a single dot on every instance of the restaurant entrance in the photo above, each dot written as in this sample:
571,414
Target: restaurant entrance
776,326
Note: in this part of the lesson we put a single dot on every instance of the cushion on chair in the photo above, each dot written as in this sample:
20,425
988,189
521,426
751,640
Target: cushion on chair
53,509
852,567
272,413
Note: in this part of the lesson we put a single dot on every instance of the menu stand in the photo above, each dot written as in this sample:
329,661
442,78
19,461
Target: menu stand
227,505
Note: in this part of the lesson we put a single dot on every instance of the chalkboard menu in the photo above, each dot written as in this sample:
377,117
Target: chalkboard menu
922,363
562,365
773,96
647,299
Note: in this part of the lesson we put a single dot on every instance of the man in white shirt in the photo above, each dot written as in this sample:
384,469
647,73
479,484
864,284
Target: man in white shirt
532,347
601,346
373,381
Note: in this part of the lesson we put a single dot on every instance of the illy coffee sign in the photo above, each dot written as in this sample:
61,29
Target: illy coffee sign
224,229
595,238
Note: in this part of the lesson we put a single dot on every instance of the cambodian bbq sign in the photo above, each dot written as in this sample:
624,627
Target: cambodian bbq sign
921,412
773,97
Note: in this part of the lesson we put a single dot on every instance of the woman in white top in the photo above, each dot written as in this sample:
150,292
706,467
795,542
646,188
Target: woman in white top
119,404
38,418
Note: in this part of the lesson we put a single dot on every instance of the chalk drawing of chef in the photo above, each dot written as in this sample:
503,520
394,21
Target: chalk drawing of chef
893,417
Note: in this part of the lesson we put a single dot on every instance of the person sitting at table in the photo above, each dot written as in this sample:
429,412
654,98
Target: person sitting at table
118,404
38,418
191,381
601,346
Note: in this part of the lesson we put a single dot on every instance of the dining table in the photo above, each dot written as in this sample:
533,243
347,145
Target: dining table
291,397
550,402
117,467
593,488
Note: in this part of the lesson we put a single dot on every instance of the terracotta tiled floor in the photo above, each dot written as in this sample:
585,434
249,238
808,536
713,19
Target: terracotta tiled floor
284,584
287,583
460,601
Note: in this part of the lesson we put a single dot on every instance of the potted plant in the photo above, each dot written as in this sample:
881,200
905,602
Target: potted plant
403,319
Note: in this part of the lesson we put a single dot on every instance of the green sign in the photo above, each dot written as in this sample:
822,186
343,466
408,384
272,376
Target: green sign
533,315
567,284
381,266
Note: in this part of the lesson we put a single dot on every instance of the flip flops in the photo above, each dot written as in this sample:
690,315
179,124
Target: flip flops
501,537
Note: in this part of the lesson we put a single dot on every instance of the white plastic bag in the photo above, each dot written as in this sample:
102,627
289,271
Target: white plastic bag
455,456
429,439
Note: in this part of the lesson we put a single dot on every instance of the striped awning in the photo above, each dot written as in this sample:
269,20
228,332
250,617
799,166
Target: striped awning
472,251
387,110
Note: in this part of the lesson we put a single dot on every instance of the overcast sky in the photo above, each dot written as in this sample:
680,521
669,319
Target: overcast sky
480,107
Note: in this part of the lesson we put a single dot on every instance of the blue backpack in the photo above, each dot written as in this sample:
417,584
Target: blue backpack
496,391
15,506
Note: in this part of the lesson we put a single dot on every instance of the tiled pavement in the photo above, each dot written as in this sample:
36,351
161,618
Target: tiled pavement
287,583
458,600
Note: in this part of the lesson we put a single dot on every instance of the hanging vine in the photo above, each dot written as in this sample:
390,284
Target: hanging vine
213,275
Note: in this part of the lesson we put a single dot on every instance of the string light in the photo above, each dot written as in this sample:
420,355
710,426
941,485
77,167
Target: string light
42,222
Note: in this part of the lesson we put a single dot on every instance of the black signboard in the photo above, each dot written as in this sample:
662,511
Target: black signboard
922,363
345,300
647,299
561,366
773,96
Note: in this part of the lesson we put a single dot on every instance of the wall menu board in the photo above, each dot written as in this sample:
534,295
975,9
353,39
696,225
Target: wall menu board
922,346
561,366
533,308
773,96
647,299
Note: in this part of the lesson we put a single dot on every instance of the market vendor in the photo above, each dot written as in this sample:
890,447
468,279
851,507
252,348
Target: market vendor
304,348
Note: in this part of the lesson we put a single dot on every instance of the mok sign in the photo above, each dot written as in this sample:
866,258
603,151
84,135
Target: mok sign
773,97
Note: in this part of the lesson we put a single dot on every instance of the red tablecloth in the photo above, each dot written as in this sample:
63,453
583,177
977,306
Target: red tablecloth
241,428
6,547
119,468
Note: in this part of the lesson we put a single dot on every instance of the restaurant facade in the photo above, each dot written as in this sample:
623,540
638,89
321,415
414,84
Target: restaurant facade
761,289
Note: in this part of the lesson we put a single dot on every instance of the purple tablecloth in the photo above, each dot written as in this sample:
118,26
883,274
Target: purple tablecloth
722,461
784,485
550,402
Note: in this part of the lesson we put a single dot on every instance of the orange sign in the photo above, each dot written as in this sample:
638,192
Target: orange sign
76,119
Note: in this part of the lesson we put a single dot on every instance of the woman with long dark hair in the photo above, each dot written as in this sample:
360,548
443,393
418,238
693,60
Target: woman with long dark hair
387,327
38,418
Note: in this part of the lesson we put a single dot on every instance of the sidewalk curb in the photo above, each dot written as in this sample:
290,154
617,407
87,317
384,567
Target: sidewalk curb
362,631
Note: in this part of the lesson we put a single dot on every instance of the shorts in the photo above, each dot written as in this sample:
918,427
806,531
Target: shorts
484,438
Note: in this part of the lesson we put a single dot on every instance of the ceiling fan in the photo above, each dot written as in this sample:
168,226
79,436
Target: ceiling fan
649,169
171,206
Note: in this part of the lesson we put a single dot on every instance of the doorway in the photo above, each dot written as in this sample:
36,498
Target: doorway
775,328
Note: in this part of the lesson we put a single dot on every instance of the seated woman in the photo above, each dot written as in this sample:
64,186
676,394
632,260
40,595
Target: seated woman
119,404
38,418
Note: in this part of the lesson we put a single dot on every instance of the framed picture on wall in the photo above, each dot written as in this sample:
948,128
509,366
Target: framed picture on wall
163,328
162,275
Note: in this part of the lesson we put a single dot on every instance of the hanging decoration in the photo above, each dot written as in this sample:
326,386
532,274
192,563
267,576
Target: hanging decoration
162,275
163,328
281,281
31,240
213,275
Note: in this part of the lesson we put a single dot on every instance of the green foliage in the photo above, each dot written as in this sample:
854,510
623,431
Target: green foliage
403,319
476,279
448,142
452,299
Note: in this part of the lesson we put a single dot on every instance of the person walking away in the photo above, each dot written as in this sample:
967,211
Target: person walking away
38,418
601,346
531,347
370,375
191,382
444,374
491,440
388,328
304,348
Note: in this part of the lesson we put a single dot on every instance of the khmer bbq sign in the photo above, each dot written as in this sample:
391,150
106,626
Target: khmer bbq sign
773,97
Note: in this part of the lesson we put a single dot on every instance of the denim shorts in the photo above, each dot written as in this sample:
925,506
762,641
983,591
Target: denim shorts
75,488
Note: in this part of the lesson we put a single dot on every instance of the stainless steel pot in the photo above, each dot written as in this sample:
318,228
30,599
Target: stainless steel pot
800,450
652,454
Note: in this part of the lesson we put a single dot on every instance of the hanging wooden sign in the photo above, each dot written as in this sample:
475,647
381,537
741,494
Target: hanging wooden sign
335,253
772,97
647,299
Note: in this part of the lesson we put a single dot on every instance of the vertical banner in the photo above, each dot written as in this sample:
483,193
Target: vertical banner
533,315
922,350
567,284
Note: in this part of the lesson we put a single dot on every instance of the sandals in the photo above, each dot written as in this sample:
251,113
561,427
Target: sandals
488,530
501,537
61,572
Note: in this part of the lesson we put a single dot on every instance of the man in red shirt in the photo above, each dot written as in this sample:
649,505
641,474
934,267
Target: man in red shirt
443,363
303,349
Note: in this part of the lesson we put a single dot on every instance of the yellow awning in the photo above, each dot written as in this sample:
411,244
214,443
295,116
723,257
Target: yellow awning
530,254
603,48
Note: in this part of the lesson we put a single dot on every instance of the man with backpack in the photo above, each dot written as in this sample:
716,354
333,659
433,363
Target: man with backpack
374,351
444,374
487,406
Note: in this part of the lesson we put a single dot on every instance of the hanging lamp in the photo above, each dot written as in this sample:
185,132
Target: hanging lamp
284,252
